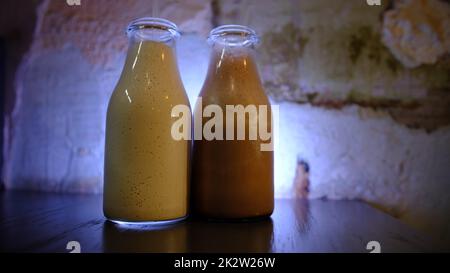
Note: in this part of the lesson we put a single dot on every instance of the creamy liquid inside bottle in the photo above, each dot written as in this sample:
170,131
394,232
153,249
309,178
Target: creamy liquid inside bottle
146,170
232,179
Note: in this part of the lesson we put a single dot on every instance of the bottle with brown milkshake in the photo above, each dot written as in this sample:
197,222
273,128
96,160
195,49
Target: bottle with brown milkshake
146,169
232,177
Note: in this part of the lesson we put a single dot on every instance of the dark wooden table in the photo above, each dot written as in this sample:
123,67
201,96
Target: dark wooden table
41,222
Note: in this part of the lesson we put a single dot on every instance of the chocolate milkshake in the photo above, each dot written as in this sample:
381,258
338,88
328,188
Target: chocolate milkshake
232,179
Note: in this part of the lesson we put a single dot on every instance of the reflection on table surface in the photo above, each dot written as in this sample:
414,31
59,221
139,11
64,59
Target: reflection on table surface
37,222
192,236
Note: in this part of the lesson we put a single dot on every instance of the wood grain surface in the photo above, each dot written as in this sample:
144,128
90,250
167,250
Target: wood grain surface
44,222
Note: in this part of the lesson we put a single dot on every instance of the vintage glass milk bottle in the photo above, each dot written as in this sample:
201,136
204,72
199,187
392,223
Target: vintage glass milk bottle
146,170
232,179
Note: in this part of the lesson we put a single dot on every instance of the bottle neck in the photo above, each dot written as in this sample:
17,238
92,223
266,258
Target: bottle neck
232,64
232,60
151,44
149,54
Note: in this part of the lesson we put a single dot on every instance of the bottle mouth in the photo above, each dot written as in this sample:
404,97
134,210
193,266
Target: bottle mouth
155,29
234,35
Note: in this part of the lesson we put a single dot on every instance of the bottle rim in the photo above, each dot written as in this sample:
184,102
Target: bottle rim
233,35
167,29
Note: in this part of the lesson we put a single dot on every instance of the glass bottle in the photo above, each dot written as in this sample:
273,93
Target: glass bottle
146,169
232,178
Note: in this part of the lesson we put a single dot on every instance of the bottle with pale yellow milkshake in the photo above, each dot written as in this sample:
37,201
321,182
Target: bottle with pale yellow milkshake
146,170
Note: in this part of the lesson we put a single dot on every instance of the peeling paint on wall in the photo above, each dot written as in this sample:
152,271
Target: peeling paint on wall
345,62
417,32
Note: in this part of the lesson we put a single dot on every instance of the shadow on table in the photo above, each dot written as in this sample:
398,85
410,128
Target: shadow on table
191,236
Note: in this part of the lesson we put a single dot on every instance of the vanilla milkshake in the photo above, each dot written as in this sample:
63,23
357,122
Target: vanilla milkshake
146,170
